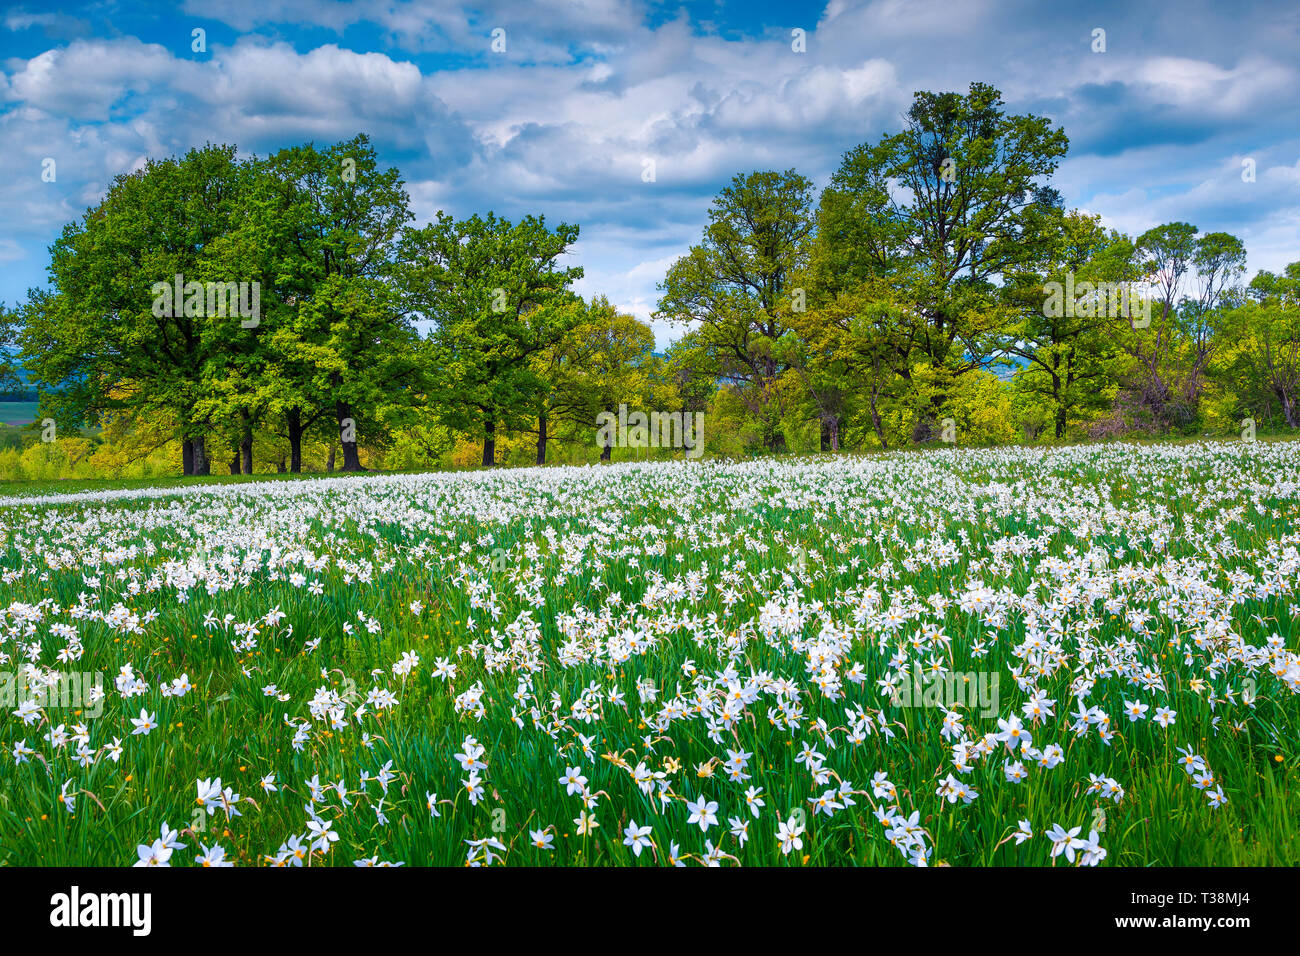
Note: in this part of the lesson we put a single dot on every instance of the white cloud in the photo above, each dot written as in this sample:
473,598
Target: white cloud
560,124
10,251
539,31
1199,85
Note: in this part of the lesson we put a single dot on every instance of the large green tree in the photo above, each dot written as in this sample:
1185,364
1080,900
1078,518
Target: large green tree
733,287
1066,350
601,361
1170,355
1260,361
100,341
491,287
944,209
341,349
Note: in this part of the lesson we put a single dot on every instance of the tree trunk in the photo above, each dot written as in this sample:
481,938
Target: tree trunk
201,464
928,418
246,442
541,439
234,464
1059,419
876,422
773,437
187,457
607,453
280,465
293,422
329,465
1289,408
830,432
490,443
347,436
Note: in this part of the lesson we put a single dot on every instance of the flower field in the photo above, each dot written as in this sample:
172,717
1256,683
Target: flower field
1070,657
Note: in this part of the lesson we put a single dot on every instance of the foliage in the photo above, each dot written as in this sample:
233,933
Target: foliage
937,290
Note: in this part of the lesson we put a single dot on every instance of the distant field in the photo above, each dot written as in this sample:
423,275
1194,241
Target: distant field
17,413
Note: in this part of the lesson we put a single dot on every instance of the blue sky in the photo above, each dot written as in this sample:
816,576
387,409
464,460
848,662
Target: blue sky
562,121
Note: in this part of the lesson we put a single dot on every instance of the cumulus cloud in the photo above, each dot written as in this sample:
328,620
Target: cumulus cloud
563,121
537,31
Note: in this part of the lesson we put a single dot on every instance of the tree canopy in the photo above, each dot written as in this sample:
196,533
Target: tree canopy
284,311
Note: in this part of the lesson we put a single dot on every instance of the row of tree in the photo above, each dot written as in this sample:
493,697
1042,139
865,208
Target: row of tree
912,300
924,285
342,280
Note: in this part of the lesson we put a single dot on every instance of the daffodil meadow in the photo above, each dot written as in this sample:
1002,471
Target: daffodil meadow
1069,657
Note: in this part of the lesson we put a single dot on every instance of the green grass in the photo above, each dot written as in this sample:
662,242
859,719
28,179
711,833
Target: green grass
1186,517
